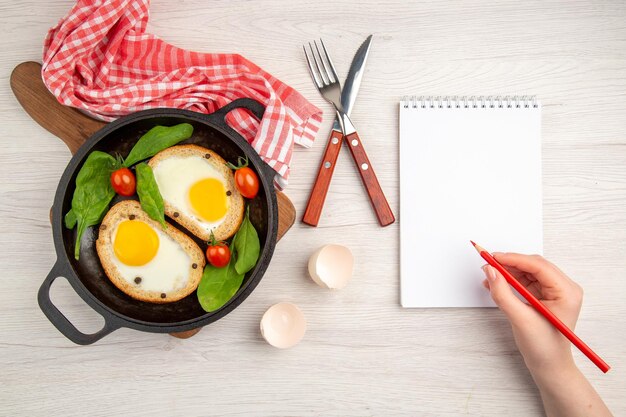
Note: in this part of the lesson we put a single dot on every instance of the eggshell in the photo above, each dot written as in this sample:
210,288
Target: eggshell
331,266
283,325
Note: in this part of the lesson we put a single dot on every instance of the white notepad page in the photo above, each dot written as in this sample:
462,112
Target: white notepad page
469,169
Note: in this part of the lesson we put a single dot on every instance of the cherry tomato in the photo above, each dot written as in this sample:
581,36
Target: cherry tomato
123,182
218,254
247,182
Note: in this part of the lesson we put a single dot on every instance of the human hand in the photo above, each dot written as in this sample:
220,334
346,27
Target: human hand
543,347
547,353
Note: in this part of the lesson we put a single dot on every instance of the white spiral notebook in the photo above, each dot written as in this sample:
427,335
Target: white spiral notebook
470,168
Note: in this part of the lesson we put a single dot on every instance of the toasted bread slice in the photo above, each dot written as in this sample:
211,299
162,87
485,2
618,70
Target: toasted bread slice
151,288
228,225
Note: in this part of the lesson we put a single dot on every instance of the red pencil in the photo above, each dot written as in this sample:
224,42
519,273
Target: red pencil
541,308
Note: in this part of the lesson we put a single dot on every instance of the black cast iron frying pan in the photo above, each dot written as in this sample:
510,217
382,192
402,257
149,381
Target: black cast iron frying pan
86,275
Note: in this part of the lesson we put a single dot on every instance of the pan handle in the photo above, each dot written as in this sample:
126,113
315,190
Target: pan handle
59,320
253,106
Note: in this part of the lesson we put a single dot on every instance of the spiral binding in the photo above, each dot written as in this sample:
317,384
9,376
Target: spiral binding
467,102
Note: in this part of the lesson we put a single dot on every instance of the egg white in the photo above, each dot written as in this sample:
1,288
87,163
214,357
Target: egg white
168,271
176,175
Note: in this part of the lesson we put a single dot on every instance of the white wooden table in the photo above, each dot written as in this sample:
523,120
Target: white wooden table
362,355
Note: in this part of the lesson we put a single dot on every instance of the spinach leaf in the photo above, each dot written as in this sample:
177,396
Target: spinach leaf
157,139
70,219
247,245
92,195
149,195
218,285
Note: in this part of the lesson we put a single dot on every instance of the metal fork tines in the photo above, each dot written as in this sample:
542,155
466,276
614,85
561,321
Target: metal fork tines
324,74
326,80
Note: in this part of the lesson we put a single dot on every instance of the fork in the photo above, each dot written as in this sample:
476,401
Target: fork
326,80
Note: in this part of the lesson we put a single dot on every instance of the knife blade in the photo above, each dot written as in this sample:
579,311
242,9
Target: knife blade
349,92
351,86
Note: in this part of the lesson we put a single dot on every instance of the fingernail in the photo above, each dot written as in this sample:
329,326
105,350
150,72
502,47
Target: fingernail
484,268
491,273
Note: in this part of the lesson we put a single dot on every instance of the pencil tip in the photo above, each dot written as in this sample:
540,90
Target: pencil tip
477,246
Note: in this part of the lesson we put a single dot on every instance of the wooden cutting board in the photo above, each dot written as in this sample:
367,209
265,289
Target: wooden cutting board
73,128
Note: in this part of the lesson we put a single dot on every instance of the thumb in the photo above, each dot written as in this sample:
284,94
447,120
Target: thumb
503,295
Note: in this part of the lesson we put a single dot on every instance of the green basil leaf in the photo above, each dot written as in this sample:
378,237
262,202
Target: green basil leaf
92,195
218,285
70,219
157,139
247,246
149,195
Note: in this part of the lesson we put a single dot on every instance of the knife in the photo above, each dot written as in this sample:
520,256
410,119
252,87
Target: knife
349,92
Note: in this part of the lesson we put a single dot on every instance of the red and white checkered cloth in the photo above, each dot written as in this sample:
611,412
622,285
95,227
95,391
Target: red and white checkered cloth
100,59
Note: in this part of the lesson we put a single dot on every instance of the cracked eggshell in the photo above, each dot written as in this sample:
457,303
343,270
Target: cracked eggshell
331,266
283,325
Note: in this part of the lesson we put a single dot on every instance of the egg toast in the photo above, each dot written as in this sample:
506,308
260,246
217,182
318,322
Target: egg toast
144,260
198,191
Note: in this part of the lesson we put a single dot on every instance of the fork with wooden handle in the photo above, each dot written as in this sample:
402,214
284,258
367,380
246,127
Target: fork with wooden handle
325,79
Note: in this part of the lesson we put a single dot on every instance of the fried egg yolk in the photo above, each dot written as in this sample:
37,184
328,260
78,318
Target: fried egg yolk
136,243
208,199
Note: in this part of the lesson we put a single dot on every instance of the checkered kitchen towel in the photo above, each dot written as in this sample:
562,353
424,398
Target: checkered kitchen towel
100,59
